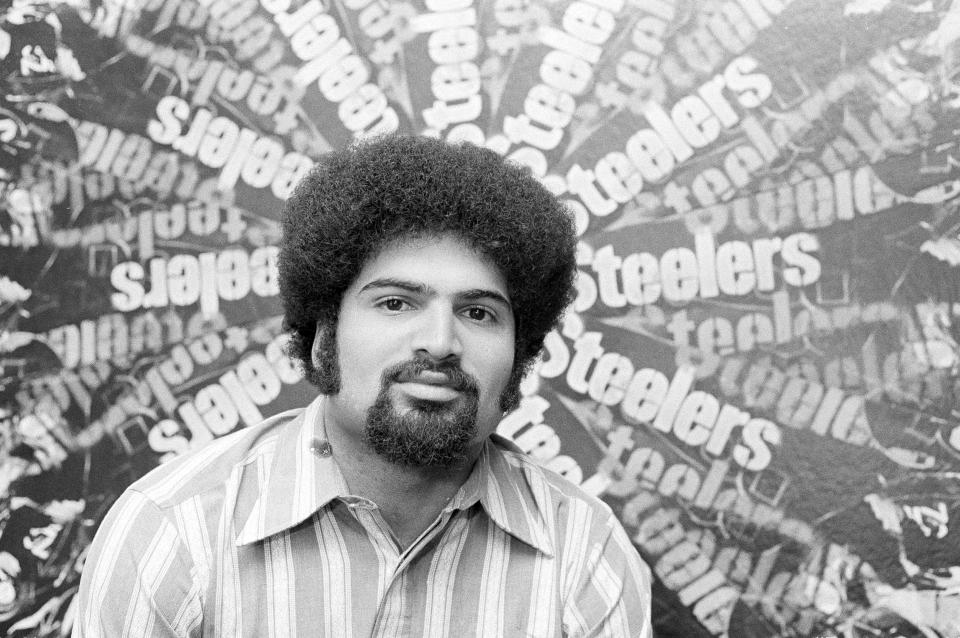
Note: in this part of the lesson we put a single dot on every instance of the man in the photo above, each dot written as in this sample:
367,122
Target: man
419,280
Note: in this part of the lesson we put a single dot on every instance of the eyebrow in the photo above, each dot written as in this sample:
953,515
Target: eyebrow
419,288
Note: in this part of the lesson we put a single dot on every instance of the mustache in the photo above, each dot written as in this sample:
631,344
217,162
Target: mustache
411,370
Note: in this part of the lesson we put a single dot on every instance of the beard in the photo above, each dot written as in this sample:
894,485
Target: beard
429,434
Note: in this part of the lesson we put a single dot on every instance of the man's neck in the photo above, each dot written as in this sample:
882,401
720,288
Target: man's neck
409,498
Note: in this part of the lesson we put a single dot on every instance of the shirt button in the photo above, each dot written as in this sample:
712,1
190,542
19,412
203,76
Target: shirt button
321,447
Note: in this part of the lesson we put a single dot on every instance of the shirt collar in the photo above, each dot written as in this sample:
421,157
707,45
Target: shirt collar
304,477
502,485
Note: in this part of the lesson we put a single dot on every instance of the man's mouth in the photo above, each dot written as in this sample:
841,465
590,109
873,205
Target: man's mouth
429,385
423,391
420,381
432,385
427,377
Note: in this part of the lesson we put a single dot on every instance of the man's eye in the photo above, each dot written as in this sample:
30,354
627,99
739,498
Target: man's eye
394,305
479,314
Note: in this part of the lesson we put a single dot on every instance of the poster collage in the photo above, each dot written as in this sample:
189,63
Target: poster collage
760,373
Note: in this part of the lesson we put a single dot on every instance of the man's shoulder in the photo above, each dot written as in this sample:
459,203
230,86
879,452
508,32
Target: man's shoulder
211,466
546,485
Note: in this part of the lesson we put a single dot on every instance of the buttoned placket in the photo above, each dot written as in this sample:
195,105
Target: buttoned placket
368,515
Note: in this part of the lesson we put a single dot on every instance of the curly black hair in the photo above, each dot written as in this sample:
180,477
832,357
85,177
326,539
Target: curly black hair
356,200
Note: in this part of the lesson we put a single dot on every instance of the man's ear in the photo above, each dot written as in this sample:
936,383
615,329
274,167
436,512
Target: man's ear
323,357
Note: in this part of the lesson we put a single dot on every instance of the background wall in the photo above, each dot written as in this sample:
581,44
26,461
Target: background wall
759,374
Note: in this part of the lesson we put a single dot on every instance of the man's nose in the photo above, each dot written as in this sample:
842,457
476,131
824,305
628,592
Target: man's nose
437,333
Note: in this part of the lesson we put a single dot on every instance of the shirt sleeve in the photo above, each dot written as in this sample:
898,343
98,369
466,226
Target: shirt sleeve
137,578
612,594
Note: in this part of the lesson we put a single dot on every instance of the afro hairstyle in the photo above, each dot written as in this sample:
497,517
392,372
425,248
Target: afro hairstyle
355,201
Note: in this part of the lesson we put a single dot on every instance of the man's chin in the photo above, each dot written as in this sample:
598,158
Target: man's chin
422,433
420,453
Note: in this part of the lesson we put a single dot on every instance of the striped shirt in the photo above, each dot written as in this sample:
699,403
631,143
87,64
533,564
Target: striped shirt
256,534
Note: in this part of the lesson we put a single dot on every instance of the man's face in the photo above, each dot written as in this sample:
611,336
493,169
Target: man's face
425,343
